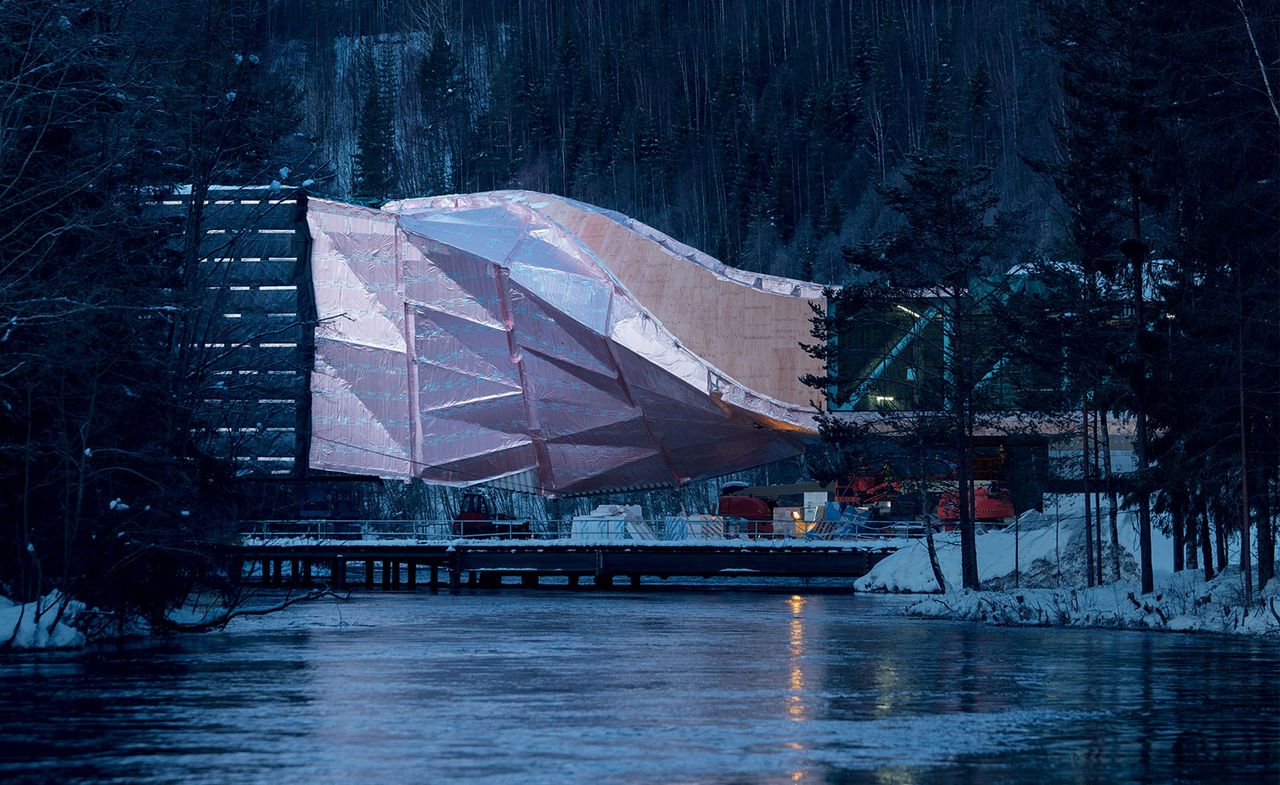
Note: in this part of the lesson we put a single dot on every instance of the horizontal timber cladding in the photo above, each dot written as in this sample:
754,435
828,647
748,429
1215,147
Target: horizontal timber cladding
241,272
252,244
251,412
254,332
255,357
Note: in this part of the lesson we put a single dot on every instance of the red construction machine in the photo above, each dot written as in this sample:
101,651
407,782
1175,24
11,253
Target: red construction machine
755,512
477,518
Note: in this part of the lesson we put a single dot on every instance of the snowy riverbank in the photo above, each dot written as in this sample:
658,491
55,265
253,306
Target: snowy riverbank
1034,574
44,624
1183,602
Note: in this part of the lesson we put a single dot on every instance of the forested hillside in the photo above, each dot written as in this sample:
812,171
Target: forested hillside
1126,153
756,130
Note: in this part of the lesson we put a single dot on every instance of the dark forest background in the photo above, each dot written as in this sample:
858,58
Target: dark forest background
1112,147
755,130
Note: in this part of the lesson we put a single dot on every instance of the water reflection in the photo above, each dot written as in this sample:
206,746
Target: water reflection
543,687
796,700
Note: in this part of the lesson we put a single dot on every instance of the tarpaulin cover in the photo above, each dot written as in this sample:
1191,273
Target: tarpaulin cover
464,339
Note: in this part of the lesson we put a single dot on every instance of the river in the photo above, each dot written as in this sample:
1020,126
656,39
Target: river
545,686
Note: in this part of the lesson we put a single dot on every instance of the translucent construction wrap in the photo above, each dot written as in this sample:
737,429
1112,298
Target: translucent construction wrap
464,339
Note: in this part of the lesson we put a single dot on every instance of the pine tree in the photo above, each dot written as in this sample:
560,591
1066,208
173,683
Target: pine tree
376,171
442,88
943,269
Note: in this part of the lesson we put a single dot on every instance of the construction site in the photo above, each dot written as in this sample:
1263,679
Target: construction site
515,365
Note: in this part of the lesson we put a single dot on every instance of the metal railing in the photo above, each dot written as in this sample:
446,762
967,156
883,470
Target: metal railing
668,530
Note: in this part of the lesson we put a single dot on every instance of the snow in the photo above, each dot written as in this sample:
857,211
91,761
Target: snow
1045,549
44,624
1033,575
1182,602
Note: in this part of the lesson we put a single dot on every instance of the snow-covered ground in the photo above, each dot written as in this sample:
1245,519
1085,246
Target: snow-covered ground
44,624
1042,550
1034,575
1182,602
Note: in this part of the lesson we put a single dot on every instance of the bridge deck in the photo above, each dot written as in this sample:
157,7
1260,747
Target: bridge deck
487,562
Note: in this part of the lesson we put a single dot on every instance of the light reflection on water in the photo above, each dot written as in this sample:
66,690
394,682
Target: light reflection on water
553,687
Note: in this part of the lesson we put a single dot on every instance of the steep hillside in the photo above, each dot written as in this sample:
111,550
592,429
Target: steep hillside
756,130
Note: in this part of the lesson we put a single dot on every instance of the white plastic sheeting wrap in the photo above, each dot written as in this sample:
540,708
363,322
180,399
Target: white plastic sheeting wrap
469,338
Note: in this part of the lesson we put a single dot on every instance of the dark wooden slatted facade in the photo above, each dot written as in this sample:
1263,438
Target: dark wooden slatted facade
254,333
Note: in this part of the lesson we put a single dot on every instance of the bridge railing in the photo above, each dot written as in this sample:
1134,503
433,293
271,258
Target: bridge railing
670,529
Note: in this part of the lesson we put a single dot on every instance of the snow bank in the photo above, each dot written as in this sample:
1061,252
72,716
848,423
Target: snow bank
44,624
1183,602
1043,550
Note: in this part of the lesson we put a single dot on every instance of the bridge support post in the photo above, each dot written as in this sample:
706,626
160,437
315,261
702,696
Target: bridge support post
294,572
473,578
306,572
455,573
490,580
604,580
338,573
235,571
573,581
435,578
529,581
635,581
412,574
386,573
368,573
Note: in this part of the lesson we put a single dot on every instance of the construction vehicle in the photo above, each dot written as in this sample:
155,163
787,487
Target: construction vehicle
477,518
756,513
991,504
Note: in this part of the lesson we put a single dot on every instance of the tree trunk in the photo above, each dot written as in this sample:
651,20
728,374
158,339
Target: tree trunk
1266,535
1139,253
1097,500
1178,520
1246,566
968,534
1190,559
938,577
1088,511
1220,535
1113,509
1206,542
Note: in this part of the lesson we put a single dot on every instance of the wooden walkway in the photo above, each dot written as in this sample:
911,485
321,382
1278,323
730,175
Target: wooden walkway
485,564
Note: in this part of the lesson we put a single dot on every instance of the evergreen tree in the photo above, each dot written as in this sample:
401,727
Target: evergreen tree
442,88
376,175
943,269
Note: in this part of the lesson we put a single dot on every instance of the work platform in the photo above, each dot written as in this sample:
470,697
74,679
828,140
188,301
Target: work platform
395,564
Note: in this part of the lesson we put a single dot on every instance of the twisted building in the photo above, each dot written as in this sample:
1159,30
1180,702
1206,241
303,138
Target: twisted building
529,340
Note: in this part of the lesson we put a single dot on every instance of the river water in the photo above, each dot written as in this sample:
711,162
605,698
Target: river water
545,686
